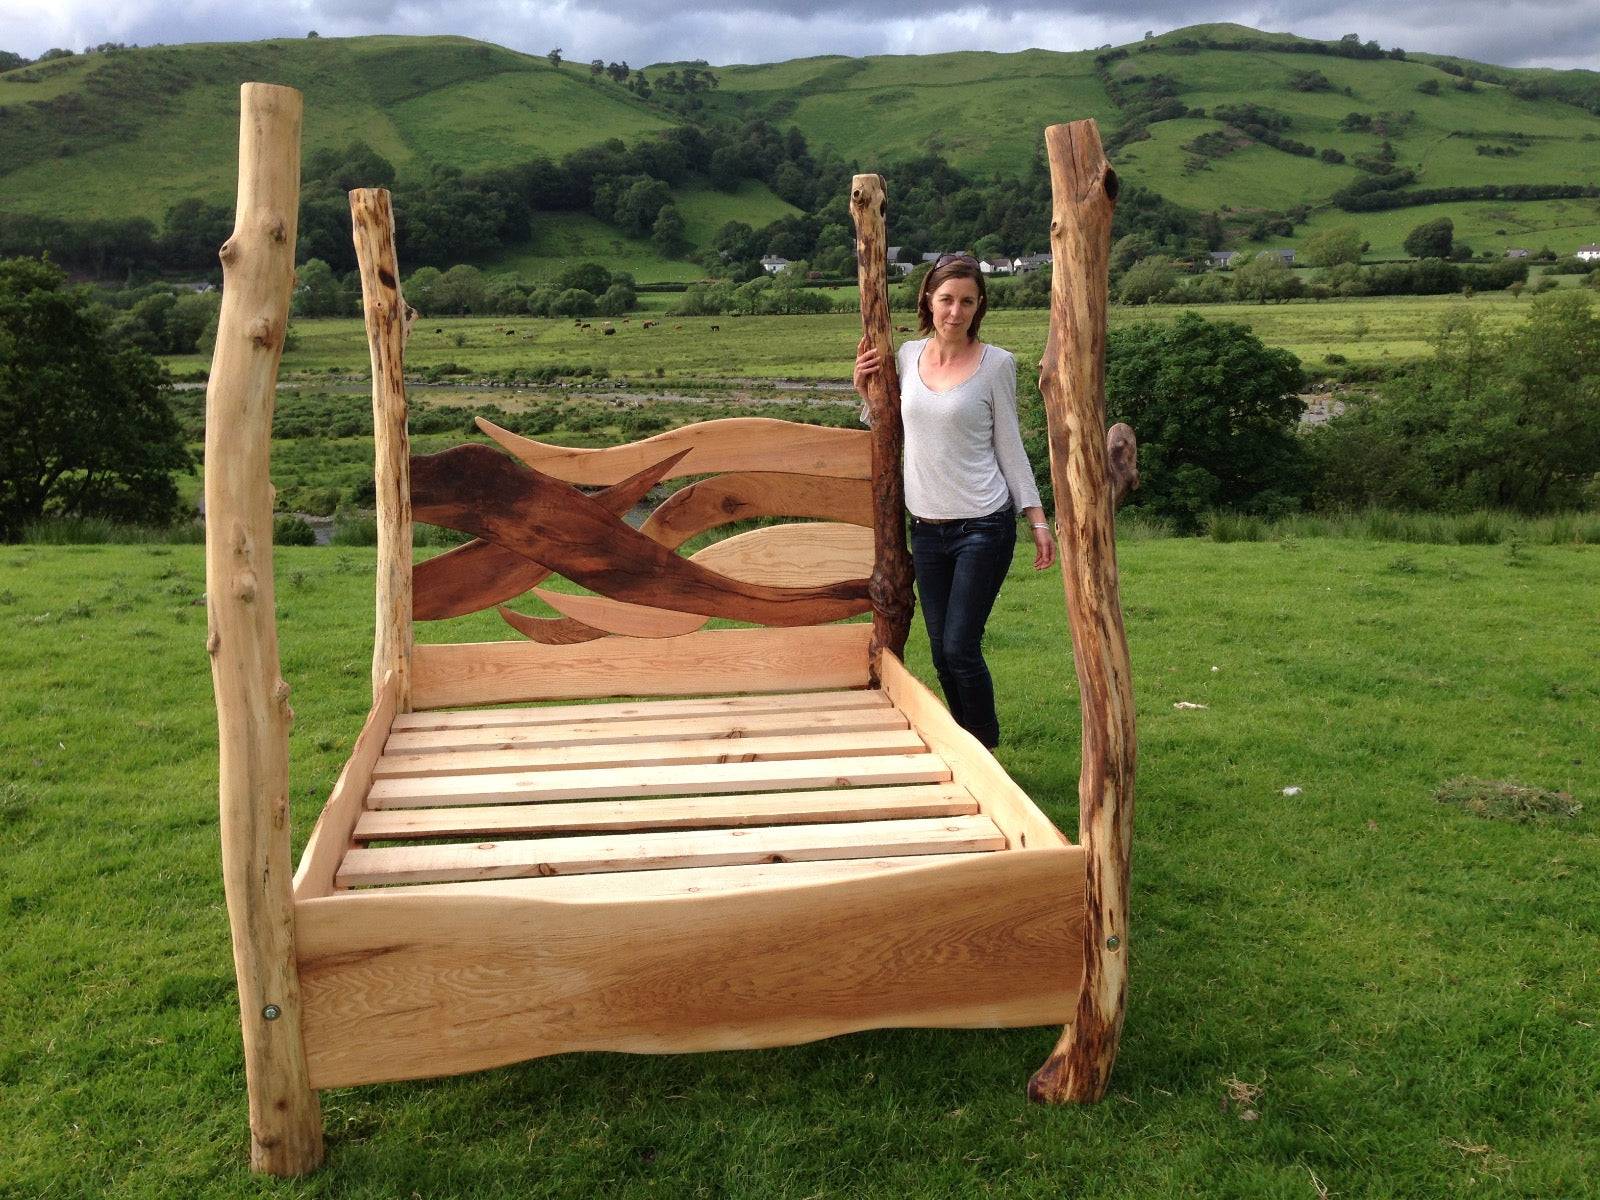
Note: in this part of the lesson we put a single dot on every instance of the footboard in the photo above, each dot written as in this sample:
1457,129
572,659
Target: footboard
407,983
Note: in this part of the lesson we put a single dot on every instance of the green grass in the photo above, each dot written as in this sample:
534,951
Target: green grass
1407,983
1485,225
1367,331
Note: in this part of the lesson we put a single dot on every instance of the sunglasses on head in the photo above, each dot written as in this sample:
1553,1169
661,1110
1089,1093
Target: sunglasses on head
945,260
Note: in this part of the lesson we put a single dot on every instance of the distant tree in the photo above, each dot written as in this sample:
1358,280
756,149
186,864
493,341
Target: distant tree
1509,420
460,290
1265,277
1309,81
1147,281
312,33
54,53
419,289
1429,87
1216,413
573,302
192,233
9,60
357,165
668,233
317,291
88,425
1341,244
1431,239
555,57
615,300
591,277
597,67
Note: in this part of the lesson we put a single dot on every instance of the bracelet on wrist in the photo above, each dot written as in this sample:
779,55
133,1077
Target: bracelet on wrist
1040,525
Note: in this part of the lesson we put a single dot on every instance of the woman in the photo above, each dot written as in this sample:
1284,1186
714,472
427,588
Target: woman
966,475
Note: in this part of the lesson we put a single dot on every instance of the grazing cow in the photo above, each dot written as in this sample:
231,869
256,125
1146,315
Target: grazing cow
648,325
608,331
677,326
438,331
716,328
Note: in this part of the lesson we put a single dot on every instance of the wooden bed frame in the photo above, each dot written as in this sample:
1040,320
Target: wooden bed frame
754,836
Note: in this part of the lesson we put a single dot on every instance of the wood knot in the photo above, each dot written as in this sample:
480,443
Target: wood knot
1110,182
261,331
245,588
278,231
386,277
213,643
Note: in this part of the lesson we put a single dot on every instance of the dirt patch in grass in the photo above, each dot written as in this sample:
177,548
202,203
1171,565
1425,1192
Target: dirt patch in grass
1501,800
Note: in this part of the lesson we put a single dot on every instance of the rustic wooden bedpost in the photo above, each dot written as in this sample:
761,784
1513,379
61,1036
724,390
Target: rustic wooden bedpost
388,325
1072,381
253,714
890,588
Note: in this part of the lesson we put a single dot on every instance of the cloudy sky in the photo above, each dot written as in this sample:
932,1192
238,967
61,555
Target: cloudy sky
1554,33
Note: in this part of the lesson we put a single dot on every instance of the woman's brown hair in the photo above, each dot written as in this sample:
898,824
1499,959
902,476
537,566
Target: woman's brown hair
947,267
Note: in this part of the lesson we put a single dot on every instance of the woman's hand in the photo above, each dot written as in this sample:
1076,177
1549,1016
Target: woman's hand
1044,546
867,362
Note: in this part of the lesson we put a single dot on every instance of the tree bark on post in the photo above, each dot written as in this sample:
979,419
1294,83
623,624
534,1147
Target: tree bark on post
1087,488
388,325
890,588
253,714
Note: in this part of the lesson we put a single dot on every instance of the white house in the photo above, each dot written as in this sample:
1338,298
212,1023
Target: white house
1589,253
772,264
998,265
1516,252
1030,262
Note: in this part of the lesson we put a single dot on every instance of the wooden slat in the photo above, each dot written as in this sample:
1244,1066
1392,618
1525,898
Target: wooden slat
631,711
743,496
645,754
712,660
618,616
678,881
330,837
726,725
653,851
971,764
710,778
406,987
812,554
733,444
696,812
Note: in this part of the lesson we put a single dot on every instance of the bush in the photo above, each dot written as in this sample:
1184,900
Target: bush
288,530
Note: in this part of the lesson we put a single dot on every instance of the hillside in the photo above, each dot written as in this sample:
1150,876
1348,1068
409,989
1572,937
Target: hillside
130,133
1218,118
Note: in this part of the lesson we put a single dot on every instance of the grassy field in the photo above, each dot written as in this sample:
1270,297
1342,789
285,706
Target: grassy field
1353,988
1563,225
683,349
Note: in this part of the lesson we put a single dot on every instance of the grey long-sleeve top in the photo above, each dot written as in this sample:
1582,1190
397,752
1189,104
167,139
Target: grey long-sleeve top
963,446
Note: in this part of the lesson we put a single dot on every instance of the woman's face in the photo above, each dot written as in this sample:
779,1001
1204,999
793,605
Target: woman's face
954,303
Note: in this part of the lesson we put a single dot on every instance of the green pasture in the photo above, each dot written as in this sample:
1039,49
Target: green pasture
1374,330
1353,990
1486,225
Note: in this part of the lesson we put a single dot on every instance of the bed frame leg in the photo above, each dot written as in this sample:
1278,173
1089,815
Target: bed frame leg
890,588
1087,488
253,714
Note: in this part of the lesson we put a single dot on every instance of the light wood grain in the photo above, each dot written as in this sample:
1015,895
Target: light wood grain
404,987
686,780
1072,382
695,812
972,766
675,882
733,444
722,725
620,617
331,835
711,660
253,713
632,712
388,321
800,555
587,755
747,495
588,855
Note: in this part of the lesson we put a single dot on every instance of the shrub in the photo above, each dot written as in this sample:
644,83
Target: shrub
289,530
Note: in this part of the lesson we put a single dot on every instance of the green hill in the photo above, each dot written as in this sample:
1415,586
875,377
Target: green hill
129,133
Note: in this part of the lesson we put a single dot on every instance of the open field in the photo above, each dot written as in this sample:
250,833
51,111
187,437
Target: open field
1355,987
1366,331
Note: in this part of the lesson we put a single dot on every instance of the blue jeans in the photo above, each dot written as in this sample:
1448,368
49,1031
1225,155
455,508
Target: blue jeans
960,566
